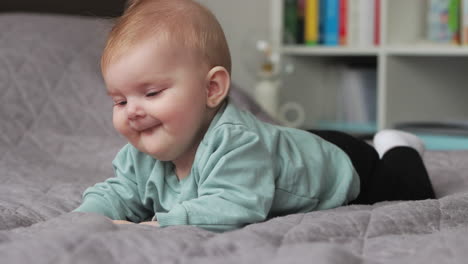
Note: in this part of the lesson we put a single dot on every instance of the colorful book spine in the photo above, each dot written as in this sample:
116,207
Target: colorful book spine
443,21
343,22
377,22
433,24
454,21
464,30
333,22
291,22
329,22
301,20
311,23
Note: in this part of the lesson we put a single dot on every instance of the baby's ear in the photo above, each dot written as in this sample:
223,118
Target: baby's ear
218,83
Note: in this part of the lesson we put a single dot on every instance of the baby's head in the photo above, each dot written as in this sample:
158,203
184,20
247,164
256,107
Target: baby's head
167,67
183,22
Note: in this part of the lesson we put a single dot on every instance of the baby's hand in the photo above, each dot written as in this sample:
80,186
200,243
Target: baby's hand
122,222
151,223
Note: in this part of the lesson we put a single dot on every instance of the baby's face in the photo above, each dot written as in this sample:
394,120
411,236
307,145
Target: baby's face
159,95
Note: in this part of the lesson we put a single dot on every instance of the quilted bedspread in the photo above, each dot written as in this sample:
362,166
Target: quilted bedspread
56,139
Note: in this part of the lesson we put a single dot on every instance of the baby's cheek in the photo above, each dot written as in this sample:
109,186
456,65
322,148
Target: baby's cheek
122,126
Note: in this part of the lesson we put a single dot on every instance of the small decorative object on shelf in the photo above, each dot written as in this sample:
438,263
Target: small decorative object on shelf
267,86
263,61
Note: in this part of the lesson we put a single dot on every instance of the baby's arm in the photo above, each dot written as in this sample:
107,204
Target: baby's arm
118,197
236,185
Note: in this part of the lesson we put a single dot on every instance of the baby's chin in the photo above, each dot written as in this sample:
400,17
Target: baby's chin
157,154
160,157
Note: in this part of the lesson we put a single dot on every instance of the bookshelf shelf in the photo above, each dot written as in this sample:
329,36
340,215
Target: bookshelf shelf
425,50
395,50
328,51
416,81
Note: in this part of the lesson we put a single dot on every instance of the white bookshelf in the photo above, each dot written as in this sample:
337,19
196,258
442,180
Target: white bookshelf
302,50
416,81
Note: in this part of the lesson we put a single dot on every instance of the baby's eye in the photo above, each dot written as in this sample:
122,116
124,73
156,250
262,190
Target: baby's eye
152,94
120,103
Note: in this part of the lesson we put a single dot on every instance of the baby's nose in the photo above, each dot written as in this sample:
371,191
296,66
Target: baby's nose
134,111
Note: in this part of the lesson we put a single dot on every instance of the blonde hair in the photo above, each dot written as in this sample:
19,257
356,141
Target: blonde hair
184,21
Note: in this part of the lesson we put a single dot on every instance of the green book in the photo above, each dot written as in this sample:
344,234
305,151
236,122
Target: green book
291,22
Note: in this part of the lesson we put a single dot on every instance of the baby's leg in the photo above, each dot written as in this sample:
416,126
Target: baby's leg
387,139
362,155
400,174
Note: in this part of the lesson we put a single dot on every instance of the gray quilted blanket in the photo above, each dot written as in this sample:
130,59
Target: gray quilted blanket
56,139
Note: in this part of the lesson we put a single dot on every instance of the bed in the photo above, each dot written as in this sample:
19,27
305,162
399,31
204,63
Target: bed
56,139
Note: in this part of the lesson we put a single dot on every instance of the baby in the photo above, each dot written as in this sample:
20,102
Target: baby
194,158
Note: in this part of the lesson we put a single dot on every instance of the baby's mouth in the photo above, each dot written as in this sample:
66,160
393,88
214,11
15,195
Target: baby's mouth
149,130
145,128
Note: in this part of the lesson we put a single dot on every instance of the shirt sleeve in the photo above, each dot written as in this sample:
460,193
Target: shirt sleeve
235,187
118,197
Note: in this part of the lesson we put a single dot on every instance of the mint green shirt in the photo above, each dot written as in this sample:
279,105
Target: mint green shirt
245,171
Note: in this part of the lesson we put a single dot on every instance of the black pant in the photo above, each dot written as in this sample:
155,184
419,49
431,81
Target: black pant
399,175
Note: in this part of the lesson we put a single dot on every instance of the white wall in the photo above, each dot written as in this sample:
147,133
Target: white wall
241,20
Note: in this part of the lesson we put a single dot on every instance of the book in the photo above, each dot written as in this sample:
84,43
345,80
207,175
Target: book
357,90
353,23
443,21
454,21
291,22
332,22
343,23
464,22
301,21
366,22
377,6
329,22
311,22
